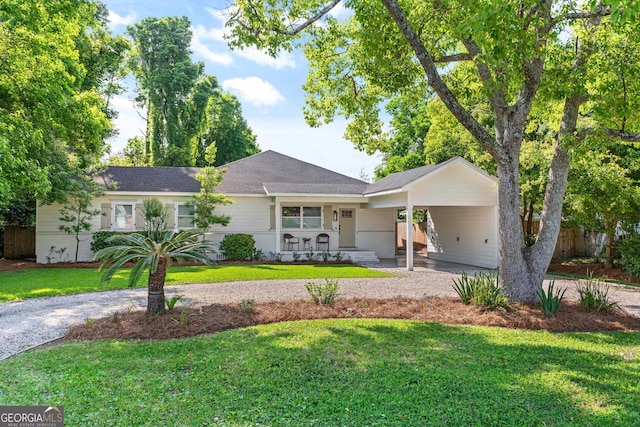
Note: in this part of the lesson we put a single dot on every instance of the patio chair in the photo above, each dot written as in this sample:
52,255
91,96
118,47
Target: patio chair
322,239
290,240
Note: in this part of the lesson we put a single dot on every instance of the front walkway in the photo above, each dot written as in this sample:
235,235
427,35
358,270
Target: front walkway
33,322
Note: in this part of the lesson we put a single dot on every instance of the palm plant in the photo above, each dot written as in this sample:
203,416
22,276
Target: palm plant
152,255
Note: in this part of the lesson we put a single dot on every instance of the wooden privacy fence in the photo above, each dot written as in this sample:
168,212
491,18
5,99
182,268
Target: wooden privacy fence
419,236
19,242
571,242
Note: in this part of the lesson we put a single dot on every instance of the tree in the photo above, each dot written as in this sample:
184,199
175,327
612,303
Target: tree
131,155
165,76
154,256
405,147
604,192
76,215
207,199
52,117
520,52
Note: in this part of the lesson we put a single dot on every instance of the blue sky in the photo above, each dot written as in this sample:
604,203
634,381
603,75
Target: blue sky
270,90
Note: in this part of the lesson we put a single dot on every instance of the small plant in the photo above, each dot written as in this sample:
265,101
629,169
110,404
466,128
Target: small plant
325,256
276,256
258,255
326,294
338,256
237,247
296,256
465,287
594,295
89,322
184,317
115,317
351,311
363,303
309,255
171,302
551,299
482,290
247,305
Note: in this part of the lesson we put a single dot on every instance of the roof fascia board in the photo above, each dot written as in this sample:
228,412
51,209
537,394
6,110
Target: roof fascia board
385,192
173,194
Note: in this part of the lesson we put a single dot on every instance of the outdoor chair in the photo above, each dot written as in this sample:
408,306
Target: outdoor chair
290,240
322,239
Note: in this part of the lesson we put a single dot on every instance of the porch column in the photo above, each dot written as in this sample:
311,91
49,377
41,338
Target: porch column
278,224
409,232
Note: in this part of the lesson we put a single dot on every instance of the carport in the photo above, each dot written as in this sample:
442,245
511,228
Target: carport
461,199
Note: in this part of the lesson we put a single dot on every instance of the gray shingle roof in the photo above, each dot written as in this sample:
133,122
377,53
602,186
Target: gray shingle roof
400,179
278,173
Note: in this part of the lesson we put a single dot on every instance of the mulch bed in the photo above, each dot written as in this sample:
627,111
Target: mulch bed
187,322
597,269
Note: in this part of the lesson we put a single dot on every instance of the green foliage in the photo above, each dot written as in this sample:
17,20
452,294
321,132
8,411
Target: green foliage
325,255
551,299
237,247
296,256
258,255
309,255
76,215
102,239
207,199
326,294
155,217
276,256
630,255
53,118
482,290
171,302
594,295
338,256
465,287
19,212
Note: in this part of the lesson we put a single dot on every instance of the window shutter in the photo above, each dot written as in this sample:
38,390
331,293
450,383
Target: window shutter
272,217
171,216
105,220
139,224
328,220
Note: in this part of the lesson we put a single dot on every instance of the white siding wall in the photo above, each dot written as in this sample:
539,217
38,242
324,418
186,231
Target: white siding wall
376,231
464,234
456,185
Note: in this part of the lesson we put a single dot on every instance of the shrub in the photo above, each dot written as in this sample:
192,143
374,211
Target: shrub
99,240
326,294
465,288
258,255
237,247
630,251
594,295
551,299
325,256
276,256
309,255
482,290
338,256
171,302
296,256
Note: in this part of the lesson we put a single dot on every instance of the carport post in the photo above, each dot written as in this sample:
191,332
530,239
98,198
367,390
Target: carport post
409,233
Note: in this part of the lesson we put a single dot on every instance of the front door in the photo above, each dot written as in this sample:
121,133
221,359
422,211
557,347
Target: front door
347,228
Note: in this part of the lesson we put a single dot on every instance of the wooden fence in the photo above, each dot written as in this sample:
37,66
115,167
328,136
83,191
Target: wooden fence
19,242
419,236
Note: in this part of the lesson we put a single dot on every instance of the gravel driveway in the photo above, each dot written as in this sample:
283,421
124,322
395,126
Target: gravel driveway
29,323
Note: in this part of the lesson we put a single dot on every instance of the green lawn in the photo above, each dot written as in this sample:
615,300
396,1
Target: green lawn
41,282
346,372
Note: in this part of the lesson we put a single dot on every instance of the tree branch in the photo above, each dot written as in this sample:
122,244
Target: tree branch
293,31
601,11
456,57
435,80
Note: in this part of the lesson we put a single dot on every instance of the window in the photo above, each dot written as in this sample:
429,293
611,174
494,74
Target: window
302,217
123,216
186,216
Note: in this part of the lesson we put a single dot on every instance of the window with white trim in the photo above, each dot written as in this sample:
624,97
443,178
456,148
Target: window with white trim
123,218
186,216
307,217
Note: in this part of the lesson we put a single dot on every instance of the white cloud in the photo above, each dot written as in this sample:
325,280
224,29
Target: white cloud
115,19
254,90
340,12
129,123
202,40
284,59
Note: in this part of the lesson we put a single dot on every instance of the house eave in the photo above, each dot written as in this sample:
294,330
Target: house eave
385,192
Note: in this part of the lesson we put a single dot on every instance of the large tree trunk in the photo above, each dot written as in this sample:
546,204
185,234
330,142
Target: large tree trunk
155,298
611,237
